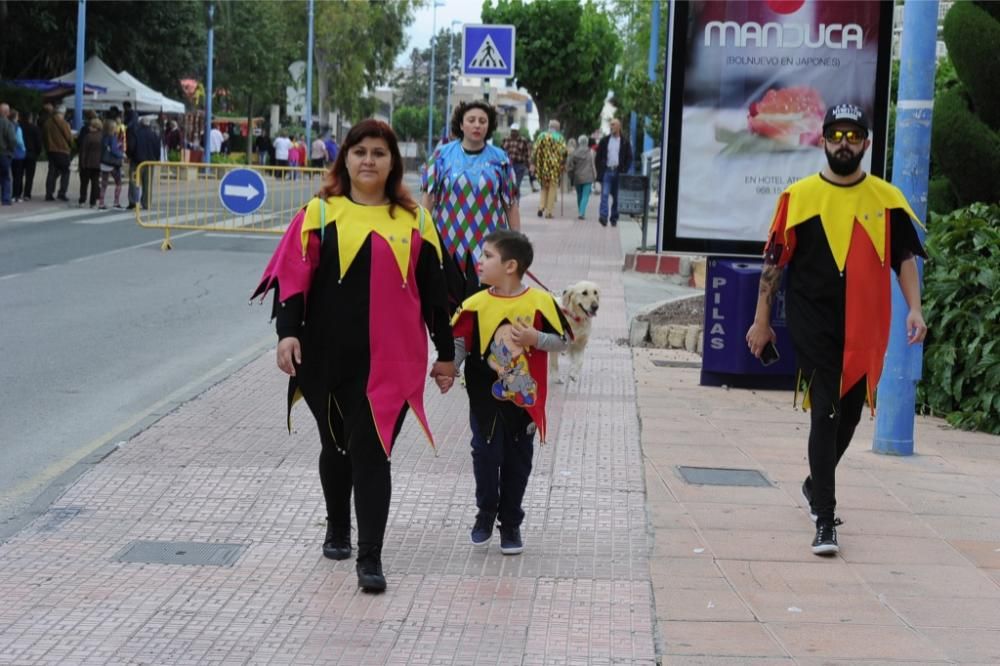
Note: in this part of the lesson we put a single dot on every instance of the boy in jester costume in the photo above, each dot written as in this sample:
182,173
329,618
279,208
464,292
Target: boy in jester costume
504,334
839,233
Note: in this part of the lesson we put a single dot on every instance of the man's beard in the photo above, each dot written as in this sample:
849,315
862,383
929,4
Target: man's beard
843,162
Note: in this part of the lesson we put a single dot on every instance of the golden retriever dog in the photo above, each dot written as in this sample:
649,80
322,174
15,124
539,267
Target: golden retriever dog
579,303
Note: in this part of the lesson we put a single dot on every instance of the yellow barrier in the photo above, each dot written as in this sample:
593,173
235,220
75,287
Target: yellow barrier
185,195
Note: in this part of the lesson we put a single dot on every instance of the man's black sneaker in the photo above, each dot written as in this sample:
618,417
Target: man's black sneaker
603,221
337,543
482,531
825,542
807,495
510,540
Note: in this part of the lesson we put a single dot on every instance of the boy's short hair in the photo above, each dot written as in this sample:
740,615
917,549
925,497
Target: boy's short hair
512,245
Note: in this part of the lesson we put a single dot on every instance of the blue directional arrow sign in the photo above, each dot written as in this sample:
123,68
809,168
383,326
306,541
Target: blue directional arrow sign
488,50
242,191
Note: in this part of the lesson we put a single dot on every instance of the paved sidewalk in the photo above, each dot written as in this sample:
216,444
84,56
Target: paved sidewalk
625,563
222,469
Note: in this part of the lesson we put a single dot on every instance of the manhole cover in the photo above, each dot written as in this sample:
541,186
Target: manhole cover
721,476
677,364
181,552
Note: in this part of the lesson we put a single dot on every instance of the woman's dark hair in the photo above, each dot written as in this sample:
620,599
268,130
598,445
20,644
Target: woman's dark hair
337,182
465,107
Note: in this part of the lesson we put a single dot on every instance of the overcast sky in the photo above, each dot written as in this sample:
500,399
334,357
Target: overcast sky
466,11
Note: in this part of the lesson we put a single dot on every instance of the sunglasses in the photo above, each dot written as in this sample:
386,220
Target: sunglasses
854,137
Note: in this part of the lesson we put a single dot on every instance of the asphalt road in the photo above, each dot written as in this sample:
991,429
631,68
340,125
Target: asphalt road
102,331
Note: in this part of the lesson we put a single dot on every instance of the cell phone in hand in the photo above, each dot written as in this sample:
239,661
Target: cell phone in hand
769,355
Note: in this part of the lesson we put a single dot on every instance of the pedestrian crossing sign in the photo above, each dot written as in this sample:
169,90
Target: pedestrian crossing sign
488,50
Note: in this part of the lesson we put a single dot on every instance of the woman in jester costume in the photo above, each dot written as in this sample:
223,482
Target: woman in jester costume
359,281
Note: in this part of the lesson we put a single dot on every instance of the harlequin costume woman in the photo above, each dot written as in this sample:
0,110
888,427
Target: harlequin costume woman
358,279
470,189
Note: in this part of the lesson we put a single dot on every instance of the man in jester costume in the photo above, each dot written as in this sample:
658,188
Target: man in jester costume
505,334
839,233
359,283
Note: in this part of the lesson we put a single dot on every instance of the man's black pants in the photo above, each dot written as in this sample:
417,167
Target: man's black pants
58,169
833,422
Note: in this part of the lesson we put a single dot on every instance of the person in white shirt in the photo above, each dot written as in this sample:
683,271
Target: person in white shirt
614,156
281,147
215,140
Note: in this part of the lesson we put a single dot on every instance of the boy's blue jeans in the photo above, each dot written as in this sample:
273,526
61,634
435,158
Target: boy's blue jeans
501,462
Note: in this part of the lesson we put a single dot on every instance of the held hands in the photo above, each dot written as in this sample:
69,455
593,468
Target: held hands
443,373
916,329
289,355
758,336
524,335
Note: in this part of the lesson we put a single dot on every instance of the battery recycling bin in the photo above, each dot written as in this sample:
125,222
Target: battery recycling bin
731,287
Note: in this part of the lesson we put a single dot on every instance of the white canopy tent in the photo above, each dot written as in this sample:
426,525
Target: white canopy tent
121,88
168,105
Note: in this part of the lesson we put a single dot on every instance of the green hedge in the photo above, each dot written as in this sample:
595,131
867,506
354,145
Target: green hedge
962,308
973,38
966,148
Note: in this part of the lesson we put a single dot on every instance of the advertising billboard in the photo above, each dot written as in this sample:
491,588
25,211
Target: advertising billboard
749,84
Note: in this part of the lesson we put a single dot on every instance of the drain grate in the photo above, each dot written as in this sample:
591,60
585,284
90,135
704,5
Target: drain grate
677,364
721,476
181,552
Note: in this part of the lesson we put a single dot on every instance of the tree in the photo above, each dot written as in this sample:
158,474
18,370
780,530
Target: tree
414,84
254,44
566,54
410,122
633,91
157,42
344,69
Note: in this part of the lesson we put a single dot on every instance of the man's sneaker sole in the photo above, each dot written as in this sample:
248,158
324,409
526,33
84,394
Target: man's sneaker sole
512,550
826,549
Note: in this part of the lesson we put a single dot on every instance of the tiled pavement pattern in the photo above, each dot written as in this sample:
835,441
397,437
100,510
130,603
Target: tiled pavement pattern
624,562
222,469
918,577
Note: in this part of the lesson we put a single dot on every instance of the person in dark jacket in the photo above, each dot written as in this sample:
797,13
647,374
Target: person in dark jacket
112,157
614,156
145,148
32,149
90,162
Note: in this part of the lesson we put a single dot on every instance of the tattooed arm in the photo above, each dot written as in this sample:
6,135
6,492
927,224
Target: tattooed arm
760,332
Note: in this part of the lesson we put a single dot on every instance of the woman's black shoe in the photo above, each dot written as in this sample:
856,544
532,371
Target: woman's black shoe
337,544
370,578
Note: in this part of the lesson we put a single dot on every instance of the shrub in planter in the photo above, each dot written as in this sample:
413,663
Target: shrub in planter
962,307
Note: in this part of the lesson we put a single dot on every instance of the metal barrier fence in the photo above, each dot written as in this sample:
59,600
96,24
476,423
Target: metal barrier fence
188,195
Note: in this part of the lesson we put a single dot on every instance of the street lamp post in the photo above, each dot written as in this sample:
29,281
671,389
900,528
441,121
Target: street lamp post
451,44
430,97
309,82
81,33
207,148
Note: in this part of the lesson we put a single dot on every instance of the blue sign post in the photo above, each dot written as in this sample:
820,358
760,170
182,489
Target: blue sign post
488,50
242,191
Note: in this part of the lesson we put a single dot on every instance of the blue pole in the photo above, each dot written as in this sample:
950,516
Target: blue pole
430,98
654,47
81,35
633,124
911,156
309,84
206,154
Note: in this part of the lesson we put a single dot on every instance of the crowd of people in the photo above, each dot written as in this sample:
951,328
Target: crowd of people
103,147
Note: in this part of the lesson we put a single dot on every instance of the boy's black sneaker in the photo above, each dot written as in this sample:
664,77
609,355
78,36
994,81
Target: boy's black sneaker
510,540
482,531
825,542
